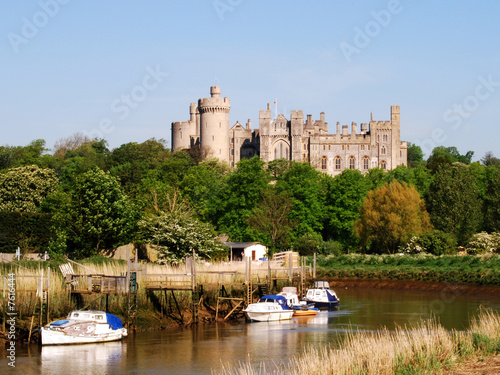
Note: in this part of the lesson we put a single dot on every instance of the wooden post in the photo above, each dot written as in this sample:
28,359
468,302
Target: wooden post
269,276
290,266
48,294
314,266
41,299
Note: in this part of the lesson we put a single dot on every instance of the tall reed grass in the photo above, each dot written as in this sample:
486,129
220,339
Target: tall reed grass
422,348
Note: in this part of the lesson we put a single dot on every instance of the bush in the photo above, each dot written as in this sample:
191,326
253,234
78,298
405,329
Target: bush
331,248
438,243
484,243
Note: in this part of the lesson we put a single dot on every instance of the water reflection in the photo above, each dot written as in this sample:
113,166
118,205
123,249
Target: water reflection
103,358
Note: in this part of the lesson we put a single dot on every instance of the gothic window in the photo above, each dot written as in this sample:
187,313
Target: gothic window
352,162
329,147
385,138
338,163
365,162
362,147
382,151
383,165
232,152
323,163
286,153
281,150
324,147
275,153
305,147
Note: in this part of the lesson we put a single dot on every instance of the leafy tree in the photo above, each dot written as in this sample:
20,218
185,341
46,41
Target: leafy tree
32,154
278,166
415,155
308,244
306,187
177,234
98,215
389,216
447,155
453,202
242,193
271,219
490,160
23,189
438,242
492,201
344,196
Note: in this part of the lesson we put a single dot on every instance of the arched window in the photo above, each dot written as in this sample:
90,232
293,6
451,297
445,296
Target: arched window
323,163
366,162
338,163
275,154
352,163
383,151
383,165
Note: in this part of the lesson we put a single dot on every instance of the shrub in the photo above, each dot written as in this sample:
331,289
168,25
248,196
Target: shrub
484,243
438,243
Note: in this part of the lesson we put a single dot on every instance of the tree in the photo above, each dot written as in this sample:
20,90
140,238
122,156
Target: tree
242,193
177,234
415,155
389,216
453,201
270,218
492,202
98,214
447,155
490,160
306,187
23,189
344,196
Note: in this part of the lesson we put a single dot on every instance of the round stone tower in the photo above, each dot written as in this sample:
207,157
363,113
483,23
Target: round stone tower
214,124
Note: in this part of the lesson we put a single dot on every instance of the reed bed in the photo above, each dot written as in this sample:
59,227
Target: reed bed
423,348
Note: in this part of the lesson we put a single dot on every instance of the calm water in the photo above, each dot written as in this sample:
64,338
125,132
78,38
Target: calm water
203,349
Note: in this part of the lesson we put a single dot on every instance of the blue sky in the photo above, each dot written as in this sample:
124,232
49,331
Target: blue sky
124,70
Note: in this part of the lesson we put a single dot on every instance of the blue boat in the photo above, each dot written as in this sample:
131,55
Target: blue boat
322,296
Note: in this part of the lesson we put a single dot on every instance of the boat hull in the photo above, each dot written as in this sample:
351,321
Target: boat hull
305,312
268,316
51,337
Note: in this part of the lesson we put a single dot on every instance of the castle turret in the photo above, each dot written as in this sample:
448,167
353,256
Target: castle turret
214,124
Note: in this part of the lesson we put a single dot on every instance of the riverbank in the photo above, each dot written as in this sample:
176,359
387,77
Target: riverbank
455,269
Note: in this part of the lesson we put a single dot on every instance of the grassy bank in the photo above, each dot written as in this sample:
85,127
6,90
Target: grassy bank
424,348
472,269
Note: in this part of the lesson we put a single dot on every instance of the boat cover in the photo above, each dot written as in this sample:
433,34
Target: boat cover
280,299
59,323
114,321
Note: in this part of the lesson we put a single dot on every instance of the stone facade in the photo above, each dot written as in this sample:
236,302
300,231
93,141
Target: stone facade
374,144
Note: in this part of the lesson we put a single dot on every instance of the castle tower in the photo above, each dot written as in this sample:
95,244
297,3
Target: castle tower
214,124
397,156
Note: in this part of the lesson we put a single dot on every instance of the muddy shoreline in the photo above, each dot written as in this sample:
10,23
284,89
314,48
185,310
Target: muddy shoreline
415,285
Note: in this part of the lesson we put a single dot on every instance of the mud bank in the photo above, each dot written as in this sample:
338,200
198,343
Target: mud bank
416,285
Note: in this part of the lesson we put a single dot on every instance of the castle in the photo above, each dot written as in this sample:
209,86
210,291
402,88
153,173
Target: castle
376,144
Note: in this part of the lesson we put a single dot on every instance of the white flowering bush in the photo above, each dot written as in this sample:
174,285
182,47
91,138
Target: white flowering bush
24,189
484,243
412,247
177,234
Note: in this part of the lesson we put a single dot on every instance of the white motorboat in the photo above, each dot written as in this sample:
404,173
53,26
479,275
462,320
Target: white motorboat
83,327
322,296
269,308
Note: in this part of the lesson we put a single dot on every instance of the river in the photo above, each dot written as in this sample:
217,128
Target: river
205,348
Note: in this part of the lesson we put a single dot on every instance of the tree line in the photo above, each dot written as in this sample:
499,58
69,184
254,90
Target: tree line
83,197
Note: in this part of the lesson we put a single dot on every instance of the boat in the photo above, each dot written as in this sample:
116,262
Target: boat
305,310
83,327
322,296
269,308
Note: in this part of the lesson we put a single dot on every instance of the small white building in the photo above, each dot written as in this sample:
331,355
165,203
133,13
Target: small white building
252,250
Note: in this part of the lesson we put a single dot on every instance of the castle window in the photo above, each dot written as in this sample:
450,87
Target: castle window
213,137
365,162
368,147
329,147
323,163
338,163
362,147
352,162
324,147
382,151
232,152
286,153
275,154
232,140
385,138
281,150
383,164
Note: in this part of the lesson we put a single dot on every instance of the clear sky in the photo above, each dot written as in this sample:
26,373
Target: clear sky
124,70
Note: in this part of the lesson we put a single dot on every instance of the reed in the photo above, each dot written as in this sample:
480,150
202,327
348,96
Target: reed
422,348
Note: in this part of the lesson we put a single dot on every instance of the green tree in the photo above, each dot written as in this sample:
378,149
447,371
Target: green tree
344,196
447,155
415,155
177,234
492,201
453,202
99,215
306,187
23,189
389,216
490,160
271,219
242,193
